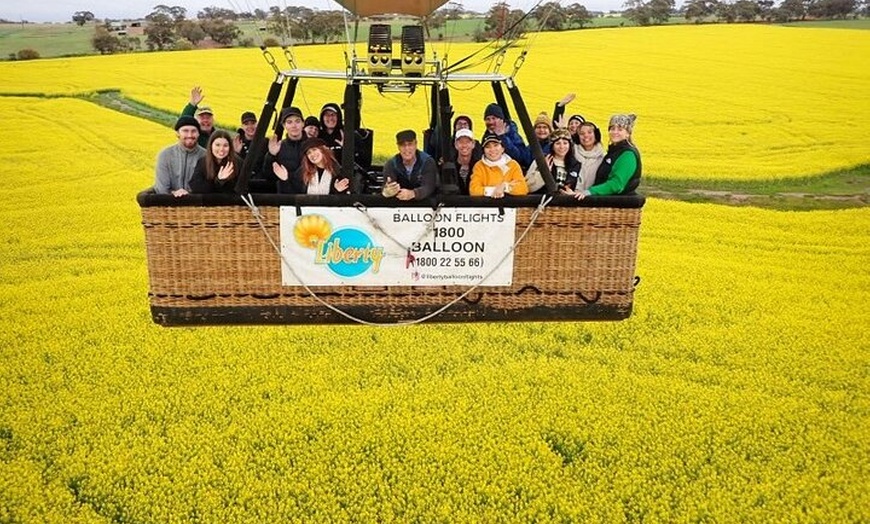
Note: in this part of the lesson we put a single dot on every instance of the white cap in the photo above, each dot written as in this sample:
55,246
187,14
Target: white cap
463,133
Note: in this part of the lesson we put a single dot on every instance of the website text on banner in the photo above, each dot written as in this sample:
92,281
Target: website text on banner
329,246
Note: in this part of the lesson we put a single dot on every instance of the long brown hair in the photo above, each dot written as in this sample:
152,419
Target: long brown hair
213,165
309,169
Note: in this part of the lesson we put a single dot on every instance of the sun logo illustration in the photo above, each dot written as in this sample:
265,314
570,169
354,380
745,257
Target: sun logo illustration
311,230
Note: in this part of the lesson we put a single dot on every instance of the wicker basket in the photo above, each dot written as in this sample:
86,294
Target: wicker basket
209,262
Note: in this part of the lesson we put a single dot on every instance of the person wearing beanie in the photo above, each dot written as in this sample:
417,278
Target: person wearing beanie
332,127
203,114
507,132
564,168
621,169
543,128
287,153
319,174
497,174
411,174
175,163
311,127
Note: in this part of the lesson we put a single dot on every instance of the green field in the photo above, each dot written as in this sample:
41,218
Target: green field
48,39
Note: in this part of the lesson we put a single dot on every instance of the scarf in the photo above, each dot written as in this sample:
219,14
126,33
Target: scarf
589,162
320,183
501,163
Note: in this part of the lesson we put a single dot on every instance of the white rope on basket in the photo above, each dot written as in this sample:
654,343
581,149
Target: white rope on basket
255,211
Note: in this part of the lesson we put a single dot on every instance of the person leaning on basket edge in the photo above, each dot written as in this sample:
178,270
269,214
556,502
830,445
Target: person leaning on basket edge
619,173
176,163
411,174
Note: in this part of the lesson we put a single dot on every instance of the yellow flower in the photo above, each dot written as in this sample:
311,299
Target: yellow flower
311,229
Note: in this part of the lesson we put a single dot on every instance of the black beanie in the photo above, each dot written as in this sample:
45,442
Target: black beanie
494,110
186,121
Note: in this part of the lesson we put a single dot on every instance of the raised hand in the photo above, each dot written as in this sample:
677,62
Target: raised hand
565,100
280,171
237,144
342,184
196,96
226,171
274,145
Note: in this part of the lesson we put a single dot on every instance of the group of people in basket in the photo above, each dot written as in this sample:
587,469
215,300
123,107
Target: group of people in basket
208,160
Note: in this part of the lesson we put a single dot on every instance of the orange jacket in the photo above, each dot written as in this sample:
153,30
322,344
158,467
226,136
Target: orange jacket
483,175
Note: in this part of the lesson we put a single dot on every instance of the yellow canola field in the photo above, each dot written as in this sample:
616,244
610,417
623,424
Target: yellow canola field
714,101
738,391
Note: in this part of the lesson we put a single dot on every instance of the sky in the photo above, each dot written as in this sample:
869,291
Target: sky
62,10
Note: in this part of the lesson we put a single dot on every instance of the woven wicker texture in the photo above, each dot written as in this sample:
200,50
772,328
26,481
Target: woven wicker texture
219,256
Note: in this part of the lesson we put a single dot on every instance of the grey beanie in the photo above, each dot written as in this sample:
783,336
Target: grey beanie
624,121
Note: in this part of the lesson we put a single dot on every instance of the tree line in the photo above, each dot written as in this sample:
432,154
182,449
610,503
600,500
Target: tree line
651,12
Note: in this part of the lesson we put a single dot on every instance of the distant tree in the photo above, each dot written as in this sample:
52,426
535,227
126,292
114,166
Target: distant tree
793,9
292,22
452,11
699,10
221,32
131,44
190,30
638,12
160,31
218,13
182,44
550,16
765,9
832,8
105,41
175,12
661,10
82,17
28,54
746,10
433,21
323,25
259,14
725,12
502,22
578,15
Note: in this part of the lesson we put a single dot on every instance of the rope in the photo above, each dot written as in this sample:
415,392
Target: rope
431,225
255,211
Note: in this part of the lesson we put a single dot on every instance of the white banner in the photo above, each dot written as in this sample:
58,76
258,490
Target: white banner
338,246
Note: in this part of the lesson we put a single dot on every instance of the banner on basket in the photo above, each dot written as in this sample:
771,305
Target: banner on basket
349,246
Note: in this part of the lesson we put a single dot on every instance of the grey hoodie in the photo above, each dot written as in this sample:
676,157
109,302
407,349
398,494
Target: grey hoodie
175,168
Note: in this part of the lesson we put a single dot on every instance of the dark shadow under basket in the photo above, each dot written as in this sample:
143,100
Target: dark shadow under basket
209,263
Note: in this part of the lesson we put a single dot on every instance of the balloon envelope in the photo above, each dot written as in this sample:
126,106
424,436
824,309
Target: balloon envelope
379,7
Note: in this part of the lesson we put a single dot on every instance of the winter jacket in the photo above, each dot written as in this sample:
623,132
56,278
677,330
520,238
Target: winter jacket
423,178
619,173
489,176
175,166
